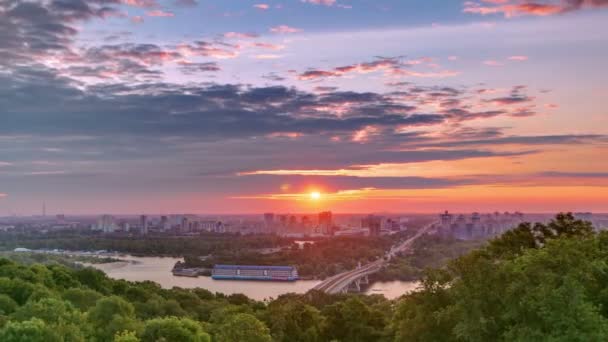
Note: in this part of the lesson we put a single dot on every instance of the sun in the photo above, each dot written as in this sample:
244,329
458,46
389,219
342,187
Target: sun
315,195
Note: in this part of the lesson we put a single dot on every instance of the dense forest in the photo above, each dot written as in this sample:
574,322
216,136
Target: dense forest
535,283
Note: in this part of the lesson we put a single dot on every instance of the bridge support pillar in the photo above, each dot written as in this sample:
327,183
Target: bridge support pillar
355,286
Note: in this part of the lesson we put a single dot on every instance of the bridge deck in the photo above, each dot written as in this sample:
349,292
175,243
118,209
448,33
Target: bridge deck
338,283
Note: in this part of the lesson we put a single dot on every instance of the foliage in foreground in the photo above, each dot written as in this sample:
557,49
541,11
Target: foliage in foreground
535,283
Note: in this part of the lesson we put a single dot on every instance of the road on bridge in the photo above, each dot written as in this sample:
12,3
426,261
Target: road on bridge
340,282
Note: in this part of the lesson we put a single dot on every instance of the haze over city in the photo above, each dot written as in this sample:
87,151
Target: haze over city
185,106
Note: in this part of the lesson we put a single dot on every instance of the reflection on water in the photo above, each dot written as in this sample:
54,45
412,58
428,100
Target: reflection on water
392,289
159,270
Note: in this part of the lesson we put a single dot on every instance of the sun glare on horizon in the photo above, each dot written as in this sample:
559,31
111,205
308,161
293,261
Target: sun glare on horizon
315,195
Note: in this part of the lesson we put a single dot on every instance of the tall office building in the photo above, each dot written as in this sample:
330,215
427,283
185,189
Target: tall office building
446,223
326,222
164,223
106,224
185,225
373,223
269,221
478,230
461,229
144,224
283,219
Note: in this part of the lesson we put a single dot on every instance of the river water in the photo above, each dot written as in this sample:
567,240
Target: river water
158,270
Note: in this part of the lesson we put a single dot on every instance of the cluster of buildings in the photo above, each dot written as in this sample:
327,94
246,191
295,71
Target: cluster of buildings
325,224
286,224
322,224
477,226
42,224
373,225
179,224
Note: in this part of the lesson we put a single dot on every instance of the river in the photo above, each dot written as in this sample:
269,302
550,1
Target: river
158,270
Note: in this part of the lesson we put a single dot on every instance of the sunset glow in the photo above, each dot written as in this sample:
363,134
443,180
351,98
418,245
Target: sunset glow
189,106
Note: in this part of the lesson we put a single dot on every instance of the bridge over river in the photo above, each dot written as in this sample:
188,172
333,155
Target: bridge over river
341,283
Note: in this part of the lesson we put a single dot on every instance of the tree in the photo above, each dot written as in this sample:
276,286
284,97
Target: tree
94,279
353,320
536,282
174,329
19,290
58,315
243,327
126,336
62,277
7,305
290,319
111,315
34,330
82,298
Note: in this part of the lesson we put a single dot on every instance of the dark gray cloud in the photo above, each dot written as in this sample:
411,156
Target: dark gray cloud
30,98
34,29
191,68
274,77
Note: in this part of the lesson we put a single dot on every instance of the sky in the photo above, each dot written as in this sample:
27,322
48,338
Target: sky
238,106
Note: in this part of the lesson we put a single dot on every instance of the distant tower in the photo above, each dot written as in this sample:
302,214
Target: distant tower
164,223
269,221
43,209
446,223
326,222
477,228
185,225
144,224
373,223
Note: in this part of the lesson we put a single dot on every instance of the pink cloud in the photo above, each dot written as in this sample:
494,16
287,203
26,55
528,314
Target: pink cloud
518,58
267,56
321,2
283,29
493,63
202,48
514,8
240,35
140,3
439,74
160,13
391,67
314,74
268,46
262,7
137,19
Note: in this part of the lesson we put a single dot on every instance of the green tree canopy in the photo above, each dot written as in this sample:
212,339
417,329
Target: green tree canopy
34,330
110,316
174,329
243,327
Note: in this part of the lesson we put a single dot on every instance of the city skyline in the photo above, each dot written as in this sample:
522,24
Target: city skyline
349,106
